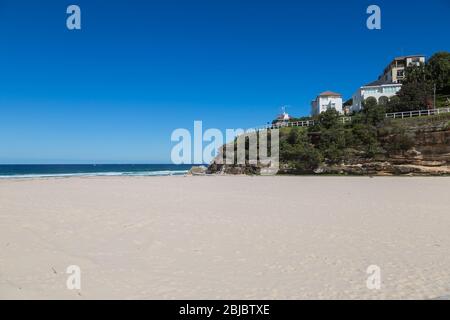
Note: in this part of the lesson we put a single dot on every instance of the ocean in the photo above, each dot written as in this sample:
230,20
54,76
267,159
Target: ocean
71,170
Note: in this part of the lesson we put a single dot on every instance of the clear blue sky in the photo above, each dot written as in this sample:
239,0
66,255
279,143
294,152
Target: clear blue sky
115,90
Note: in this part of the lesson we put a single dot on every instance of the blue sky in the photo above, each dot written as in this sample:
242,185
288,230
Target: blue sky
114,91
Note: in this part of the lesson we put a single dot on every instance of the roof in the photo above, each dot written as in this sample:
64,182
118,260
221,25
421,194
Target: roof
379,82
411,56
283,116
329,93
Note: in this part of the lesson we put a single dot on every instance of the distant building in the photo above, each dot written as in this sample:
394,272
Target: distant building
326,100
282,118
378,90
346,108
388,84
395,71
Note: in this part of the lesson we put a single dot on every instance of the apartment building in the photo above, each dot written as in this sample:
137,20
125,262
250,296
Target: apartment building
395,71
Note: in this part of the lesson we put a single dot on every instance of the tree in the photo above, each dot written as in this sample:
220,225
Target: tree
365,137
296,136
438,68
297,150
373,113
416,92
417,89
332,144
304,157
416,74
393,104
369,102
415,96
330,119
383,100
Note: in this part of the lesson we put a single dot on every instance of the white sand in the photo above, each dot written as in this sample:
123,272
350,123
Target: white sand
225,237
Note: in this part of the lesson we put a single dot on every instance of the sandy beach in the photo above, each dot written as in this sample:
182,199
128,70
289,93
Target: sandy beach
225,237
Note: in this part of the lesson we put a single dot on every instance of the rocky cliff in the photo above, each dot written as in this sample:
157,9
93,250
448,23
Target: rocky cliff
428,155
428,152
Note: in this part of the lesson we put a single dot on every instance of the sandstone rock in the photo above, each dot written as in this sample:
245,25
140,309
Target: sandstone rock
413,153
430,154
197,171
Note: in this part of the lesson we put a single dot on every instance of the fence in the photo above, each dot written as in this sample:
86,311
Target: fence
418,113
395,115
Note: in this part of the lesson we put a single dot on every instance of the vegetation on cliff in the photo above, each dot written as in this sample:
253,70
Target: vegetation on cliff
369,137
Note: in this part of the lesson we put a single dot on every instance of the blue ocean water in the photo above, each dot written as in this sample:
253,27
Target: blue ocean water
68,170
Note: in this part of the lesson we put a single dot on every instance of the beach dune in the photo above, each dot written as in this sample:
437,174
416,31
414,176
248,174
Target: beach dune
225,237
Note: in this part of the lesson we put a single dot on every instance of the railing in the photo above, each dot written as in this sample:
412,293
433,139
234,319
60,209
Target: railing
417,113
395,115
346,119
279,125
306,123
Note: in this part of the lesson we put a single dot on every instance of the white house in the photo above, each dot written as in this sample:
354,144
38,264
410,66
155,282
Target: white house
377,89
389,83
326,100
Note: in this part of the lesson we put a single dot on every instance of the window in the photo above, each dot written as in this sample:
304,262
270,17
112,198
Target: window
371,91
391,90
415,61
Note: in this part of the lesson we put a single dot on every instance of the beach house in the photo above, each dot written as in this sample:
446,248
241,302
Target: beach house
379,90
326,100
